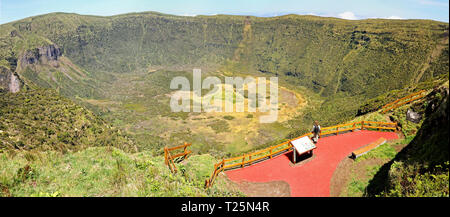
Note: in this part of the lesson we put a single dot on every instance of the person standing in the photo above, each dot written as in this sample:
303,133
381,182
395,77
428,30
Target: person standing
316,132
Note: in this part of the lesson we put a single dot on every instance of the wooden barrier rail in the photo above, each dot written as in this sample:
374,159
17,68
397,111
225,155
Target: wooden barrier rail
402,101
169,158
340,128
219,167
363,150
270,152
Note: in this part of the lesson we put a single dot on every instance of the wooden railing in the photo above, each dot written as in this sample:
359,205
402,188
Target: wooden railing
402,101
219,167
341,128
270,152
169,158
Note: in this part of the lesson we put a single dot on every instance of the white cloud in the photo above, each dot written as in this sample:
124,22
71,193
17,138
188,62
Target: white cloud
188,15
347,15
395,18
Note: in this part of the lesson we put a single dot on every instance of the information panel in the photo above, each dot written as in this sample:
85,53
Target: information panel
303,145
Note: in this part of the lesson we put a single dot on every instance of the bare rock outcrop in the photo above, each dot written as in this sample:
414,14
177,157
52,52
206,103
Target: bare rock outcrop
413,116
43,54
9,82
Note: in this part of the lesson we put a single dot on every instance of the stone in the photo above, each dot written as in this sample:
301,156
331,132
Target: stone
413,116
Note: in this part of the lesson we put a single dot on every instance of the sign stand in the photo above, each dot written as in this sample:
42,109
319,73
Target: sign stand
301,146
294,156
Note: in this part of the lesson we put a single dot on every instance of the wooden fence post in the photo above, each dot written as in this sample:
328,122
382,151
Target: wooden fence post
212,177
165,156
362,125
185,150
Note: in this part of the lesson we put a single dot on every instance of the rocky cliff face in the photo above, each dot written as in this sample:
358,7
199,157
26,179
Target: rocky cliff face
9,81
42,54
5,76
14,84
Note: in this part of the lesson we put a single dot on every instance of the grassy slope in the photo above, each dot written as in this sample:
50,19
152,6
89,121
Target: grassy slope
50,146
105,171
41,119
370,164
419,169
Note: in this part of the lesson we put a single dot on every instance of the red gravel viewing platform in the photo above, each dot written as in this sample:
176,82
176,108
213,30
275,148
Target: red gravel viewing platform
310,178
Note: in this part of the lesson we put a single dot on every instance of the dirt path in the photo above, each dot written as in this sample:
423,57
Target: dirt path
265,189
348,168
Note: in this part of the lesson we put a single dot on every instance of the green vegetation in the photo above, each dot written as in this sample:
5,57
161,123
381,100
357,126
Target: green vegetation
410,181
220,126
376,103
41,119
228,117
414,166
385,152
364,168
109,87
421,168
105,171
326,55
333,63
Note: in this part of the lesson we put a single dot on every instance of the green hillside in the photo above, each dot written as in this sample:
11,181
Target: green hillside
90,83
336,65
41,119
105,172
325,54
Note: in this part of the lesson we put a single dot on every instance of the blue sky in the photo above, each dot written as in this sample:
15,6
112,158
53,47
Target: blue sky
11,10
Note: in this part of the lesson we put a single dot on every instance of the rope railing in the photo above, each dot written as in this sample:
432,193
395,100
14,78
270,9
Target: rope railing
169,158
270,152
